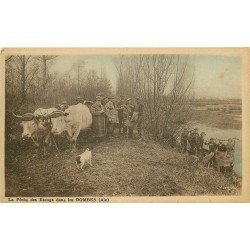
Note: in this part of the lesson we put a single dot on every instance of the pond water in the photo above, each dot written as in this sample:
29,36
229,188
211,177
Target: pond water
217,106
224,134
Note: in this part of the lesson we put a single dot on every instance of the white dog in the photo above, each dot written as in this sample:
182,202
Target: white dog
85,157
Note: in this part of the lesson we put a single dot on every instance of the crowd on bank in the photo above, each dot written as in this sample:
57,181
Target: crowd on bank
194,143
124,114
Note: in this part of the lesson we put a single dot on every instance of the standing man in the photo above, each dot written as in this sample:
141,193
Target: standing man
195,136
192,142
129,110
212,149
199,143
97,108
184,140
112,116
230,147
120,109
139,110
99,119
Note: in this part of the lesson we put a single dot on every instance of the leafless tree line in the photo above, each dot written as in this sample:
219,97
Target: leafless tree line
31,82
164,83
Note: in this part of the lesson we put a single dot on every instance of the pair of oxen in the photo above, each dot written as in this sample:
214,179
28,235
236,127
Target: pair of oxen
43,124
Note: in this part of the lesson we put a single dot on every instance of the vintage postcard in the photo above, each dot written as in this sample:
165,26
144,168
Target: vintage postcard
125,125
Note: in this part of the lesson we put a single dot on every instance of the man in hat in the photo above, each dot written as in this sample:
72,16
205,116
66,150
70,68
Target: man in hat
112,115
230,147
64,105
199,143
128,113
99,119
212,149
139,110
102,98
97,108
221,147
120,108
212,145
193,141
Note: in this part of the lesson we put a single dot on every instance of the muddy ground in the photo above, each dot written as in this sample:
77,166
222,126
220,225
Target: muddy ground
121,167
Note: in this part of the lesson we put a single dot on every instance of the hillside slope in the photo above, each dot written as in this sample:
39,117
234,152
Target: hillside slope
121,167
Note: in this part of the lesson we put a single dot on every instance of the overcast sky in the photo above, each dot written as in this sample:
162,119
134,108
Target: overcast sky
215,76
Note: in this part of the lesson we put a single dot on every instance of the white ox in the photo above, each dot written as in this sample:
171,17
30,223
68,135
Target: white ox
35,126
73,120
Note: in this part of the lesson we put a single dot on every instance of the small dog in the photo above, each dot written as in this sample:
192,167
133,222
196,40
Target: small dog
84,158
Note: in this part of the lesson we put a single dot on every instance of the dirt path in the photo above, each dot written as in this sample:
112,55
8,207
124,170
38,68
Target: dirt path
121,167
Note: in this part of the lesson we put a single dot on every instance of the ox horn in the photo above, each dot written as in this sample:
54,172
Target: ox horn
55,114
25,117
28,117
17,116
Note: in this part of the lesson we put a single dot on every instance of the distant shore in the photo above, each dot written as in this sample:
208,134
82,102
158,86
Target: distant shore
218,119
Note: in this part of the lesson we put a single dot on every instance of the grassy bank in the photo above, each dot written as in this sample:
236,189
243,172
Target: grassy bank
121,167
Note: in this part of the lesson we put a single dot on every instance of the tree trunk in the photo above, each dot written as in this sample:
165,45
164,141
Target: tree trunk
23,79
44,72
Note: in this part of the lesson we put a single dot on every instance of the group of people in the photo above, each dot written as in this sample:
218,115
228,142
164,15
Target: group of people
122,114
194,143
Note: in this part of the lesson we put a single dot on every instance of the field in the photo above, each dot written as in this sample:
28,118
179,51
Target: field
121,167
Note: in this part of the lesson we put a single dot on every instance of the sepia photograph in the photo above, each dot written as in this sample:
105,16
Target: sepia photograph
122,123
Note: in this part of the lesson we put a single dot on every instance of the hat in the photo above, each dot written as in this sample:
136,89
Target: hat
64,103
100,94
98,98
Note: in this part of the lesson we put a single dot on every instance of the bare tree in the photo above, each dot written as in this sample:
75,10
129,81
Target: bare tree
163,82
26,72
45,74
